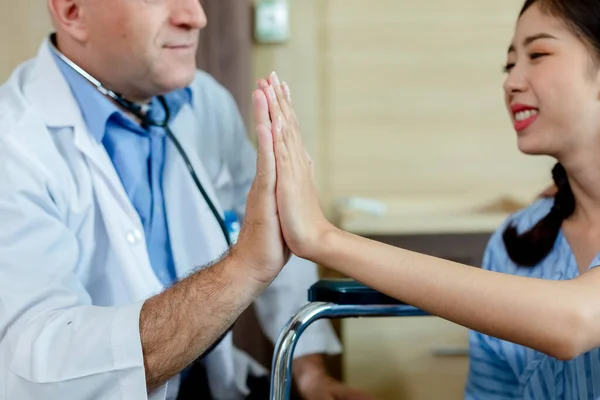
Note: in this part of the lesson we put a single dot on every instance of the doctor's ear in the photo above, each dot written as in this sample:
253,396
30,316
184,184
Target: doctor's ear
68,18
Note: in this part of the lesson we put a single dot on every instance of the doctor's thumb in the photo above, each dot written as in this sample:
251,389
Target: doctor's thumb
266,178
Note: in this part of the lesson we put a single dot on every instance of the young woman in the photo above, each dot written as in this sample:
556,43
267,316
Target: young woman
534,306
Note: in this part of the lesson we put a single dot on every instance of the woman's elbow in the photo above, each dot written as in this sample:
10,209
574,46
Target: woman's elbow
574,337
566,351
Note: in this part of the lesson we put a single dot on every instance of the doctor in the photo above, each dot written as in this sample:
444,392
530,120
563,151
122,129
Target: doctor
116,273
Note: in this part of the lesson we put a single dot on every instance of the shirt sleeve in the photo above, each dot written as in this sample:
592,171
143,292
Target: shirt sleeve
490,376
289,291
54,344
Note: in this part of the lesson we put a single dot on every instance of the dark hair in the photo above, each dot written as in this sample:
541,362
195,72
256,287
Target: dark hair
582,17
532,246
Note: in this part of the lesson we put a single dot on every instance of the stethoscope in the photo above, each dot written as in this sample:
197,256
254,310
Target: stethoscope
141,112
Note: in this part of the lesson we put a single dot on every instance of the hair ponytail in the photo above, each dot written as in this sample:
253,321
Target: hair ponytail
529,248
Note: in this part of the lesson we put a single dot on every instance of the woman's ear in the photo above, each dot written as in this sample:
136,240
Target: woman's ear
595,74
67,17
550,191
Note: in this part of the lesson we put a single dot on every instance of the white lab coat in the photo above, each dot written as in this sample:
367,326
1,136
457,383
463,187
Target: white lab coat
74,269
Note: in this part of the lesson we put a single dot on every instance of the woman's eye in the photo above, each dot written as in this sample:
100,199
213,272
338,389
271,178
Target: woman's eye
508,67
535,56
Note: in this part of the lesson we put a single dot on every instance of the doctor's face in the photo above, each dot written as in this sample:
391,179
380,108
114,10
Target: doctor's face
143,47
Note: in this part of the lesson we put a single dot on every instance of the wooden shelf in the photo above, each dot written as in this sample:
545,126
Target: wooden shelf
441,214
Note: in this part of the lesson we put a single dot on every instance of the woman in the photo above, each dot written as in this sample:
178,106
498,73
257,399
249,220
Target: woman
538,286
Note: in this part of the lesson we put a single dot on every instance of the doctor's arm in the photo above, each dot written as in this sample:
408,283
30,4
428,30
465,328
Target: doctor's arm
178,325
56,344
559,318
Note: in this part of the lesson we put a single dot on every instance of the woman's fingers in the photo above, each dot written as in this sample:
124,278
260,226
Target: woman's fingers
280,106
285,150
284,104
296,135
285,170
300,216
288,92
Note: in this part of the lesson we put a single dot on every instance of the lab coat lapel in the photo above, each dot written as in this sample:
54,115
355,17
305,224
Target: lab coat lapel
51,96
196,236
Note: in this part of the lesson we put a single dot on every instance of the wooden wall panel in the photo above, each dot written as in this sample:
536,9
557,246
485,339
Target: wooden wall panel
297,62
225,49
23,26
413,101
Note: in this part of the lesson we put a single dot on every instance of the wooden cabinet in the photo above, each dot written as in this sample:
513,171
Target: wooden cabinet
403,358
465,248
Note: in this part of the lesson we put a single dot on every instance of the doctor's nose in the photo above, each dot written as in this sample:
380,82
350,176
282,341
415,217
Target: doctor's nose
188,14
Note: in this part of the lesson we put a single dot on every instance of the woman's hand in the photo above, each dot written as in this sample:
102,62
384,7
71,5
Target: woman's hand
302,221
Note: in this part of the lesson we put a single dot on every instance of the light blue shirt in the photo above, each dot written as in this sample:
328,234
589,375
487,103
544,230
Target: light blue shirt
138,156
502,370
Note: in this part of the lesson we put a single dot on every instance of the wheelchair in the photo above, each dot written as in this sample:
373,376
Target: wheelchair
332,299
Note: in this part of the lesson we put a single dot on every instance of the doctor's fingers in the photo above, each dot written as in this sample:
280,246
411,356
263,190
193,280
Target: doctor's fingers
262,84
261,109
266,175
274,108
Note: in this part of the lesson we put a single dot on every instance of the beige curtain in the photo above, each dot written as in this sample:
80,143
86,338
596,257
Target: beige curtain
225,49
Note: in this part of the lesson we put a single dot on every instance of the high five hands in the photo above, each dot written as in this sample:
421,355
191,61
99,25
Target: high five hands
303,227
303,224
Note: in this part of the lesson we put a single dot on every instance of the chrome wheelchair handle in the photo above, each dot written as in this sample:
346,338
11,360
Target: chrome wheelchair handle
281,372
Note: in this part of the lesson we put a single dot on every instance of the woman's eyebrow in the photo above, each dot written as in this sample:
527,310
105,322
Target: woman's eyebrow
530,39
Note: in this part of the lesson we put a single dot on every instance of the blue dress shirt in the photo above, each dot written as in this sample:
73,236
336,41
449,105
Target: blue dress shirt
138,155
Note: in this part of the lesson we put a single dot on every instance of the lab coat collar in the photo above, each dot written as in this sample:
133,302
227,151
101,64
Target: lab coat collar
49,92
50,95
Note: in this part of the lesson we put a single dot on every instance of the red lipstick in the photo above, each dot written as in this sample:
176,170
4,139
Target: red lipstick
523,116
